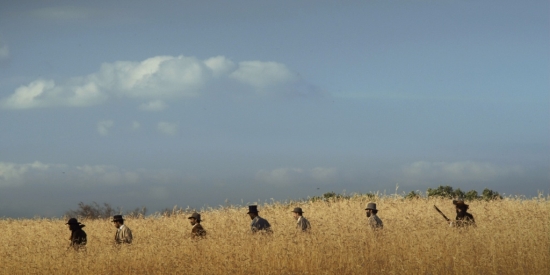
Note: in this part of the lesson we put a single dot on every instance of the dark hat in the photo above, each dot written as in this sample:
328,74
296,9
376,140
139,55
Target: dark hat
117,218
72,221
195,216
371,206
298,210
460,203
252,209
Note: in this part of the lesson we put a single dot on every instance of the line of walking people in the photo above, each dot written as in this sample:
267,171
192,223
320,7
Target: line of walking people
123,235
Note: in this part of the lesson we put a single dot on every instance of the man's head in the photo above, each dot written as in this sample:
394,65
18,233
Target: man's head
118,221
73,224
297,212
252,211
460,206
371,209
195,218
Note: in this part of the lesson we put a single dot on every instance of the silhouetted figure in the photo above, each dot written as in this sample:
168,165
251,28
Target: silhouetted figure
197,231
78,236
463,218
258,223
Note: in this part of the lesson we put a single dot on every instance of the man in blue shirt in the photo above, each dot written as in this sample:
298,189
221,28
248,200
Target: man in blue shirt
258,223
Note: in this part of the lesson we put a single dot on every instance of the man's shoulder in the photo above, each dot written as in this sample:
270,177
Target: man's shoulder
198,227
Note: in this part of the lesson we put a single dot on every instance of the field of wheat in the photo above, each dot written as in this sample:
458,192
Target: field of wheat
512,237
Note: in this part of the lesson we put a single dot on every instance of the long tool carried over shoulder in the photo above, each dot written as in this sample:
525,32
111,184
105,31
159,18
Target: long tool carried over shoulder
447,219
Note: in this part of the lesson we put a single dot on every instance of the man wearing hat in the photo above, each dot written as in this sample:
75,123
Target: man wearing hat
123,234
463,218
374,221
301,222
258,223
78,236
197,230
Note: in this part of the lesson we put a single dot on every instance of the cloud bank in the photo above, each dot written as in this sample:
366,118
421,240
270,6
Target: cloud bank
104,126
440,173
16,174
167,128
159,78
292,176
4,52
63,13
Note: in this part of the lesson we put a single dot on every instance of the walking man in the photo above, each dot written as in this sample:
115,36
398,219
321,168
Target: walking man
78,236
258,223
301,222
374,221
196,231
463,218
123,234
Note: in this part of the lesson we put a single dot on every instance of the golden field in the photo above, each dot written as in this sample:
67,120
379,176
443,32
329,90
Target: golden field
512,237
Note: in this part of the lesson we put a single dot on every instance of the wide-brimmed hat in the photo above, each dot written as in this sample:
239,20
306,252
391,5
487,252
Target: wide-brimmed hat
72,221
371,206
298,210
117,218
460,203
195,216
252,209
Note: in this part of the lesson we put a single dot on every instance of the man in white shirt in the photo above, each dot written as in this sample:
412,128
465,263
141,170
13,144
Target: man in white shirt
301,222
123,234
374,221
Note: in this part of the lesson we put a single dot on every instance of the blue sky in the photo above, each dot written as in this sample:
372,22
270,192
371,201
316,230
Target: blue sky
184,103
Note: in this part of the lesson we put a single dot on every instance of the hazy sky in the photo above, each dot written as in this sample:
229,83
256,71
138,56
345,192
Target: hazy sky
190,103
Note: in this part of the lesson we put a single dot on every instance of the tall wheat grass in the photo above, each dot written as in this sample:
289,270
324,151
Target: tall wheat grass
512,237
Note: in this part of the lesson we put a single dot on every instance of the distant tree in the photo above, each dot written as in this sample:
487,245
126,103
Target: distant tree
441,191
370,195
92,211
138,212
489,194
448,192
96,211
412,195
331,196
459,194
471,195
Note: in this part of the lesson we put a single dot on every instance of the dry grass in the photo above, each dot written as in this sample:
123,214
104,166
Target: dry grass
512,237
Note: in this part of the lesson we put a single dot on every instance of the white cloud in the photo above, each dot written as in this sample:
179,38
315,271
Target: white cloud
104,126
153,106
219,65
4,52
63,13
155,79
45,93
262,75
323,174
287,176
167,128
13,173
462,171
106,174
279,175
136,125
